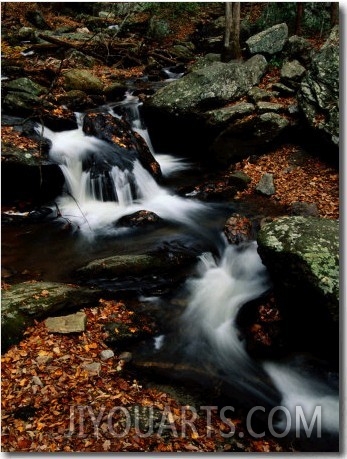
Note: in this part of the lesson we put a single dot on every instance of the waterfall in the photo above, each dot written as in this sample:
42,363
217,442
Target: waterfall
206,335
209,339
101,185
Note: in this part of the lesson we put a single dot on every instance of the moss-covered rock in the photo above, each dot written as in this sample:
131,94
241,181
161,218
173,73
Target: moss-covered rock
22,303
302,254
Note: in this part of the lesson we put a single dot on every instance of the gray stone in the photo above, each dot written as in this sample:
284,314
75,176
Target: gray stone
73,323
182,52
302,255
26,85
305,209
221,116
93,369
126,356
266,185
257,94
269,41
319,91
80,60
218,83
264,107
292,72
23,303
283,89
298,48
204,61
106,354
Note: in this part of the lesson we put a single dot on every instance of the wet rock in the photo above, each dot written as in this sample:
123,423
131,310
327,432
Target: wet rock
269,41
73,323
239,179
141,219
129,144
266,185
115,91
238,229
121,335
76,100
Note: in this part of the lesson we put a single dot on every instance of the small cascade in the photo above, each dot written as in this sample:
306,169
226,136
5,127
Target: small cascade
169,164
208,338
102,184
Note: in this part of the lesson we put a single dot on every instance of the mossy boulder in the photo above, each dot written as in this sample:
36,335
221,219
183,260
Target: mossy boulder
23,303
302,255
82,80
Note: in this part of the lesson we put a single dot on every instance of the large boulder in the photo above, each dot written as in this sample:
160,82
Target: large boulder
246,135
127,143
181,105
319,90
302,255
210,86
22,96
82,80
269,41
23,303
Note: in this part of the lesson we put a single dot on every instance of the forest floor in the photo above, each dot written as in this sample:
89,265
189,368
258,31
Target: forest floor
53,401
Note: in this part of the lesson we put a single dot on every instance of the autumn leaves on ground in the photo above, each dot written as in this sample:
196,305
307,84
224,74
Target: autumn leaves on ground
54,400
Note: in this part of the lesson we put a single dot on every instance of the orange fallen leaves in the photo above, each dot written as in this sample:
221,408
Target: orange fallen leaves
297,178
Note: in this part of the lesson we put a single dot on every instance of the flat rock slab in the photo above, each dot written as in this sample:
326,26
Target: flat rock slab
73,323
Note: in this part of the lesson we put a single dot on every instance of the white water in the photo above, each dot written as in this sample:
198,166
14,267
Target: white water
84,203
211,339
209,336
302,391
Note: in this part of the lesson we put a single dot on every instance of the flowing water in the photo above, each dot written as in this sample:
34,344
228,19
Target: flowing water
226,277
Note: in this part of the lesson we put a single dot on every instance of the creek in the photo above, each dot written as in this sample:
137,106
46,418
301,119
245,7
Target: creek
203,334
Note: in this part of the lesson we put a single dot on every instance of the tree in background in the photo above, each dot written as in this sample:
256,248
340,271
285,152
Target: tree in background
231,48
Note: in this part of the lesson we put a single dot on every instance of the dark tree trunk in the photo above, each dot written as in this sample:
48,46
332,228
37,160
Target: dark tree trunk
231,48
299,17
334,14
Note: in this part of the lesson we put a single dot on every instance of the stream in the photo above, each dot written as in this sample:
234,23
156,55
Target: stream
203,333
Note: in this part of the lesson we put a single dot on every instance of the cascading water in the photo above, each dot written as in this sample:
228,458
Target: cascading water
208,339
207,336
95,201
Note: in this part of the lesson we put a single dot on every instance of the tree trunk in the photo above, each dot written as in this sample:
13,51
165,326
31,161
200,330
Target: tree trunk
299,16
334,14
231,48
